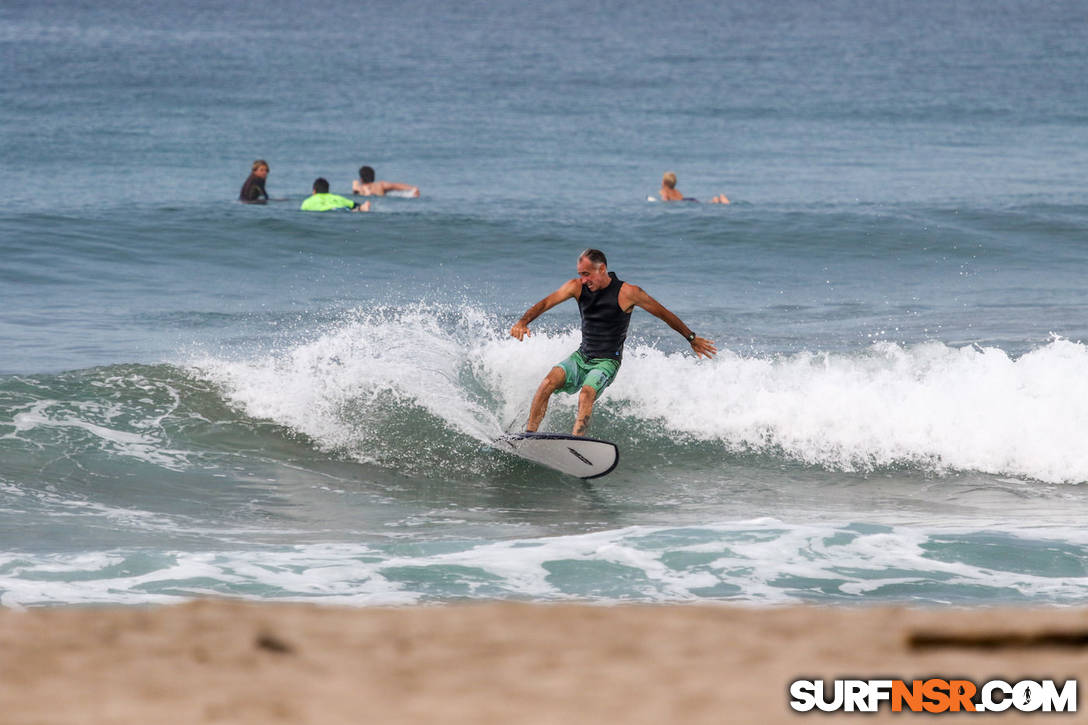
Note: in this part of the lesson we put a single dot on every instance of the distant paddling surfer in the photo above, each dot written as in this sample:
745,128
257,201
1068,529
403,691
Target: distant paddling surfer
605,304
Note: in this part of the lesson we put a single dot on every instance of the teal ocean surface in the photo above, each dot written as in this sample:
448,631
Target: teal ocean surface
200,397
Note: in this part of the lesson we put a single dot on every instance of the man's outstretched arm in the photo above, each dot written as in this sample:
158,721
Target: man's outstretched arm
564,293
397,186
699,345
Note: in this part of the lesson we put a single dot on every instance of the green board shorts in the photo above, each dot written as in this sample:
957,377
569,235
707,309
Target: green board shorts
598,372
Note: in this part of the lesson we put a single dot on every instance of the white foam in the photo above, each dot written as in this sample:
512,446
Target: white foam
931,405
760,561
928,405
335,387
148,443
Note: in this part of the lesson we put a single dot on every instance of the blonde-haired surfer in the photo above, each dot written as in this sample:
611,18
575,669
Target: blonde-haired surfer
669,192
253,189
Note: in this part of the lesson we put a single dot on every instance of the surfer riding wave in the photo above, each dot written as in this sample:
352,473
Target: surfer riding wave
605,304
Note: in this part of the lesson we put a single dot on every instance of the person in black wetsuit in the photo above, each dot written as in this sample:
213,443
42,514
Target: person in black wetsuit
605,303
253,190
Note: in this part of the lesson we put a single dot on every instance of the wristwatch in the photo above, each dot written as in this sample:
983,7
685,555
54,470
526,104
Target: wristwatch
691,337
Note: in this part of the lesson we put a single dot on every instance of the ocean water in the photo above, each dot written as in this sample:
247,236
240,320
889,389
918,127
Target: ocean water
200,397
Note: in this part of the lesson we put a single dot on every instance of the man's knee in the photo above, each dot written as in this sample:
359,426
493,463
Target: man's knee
588,394
554,380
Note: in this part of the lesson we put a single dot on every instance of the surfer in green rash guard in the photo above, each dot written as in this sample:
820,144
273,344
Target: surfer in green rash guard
321,200
605,304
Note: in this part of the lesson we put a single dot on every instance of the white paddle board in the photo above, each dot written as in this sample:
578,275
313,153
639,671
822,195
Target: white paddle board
572,455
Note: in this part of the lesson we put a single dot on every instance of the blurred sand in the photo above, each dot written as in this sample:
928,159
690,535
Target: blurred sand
232,662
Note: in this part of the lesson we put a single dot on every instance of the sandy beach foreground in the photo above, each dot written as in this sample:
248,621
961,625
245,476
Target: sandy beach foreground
234,662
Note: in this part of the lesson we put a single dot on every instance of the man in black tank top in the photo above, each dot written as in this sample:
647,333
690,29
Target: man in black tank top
605,304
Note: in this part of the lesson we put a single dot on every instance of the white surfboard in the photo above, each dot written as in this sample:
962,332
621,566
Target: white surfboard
573,455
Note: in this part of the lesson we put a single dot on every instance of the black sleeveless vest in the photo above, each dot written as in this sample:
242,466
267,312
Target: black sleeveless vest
604,324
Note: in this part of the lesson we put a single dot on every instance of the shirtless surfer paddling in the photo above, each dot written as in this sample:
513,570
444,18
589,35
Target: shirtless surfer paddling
605,304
